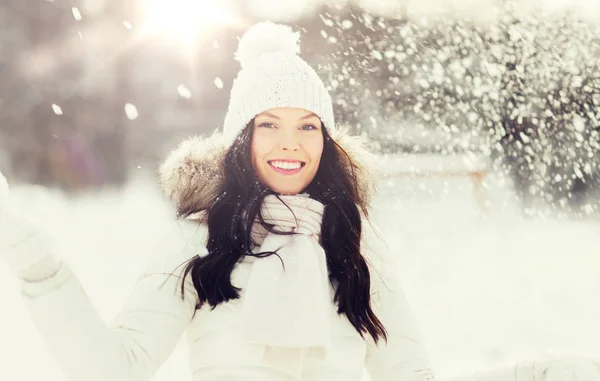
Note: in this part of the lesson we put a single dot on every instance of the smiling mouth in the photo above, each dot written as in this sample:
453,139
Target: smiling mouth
290,167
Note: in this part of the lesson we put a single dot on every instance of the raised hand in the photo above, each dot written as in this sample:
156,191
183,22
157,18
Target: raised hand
25,246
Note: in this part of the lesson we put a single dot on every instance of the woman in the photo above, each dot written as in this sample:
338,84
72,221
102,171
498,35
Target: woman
272,270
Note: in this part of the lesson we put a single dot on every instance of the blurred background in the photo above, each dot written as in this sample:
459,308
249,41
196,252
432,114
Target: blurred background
484,114
93,89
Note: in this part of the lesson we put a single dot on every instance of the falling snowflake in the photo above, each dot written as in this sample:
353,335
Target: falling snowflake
219,83
184,92
131,111
57,110
76,14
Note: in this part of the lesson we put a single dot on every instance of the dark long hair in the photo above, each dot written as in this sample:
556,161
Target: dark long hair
232,214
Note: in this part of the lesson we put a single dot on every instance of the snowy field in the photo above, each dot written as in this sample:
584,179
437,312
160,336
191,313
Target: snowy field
488,291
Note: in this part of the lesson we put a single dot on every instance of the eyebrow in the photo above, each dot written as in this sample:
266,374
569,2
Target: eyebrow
312,114
278,118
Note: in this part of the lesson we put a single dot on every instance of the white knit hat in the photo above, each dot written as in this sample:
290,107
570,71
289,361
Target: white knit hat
273,75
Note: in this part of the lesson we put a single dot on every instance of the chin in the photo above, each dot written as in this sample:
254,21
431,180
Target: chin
286,191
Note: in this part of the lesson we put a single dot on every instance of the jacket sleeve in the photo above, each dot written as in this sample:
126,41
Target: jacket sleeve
141,336
403,356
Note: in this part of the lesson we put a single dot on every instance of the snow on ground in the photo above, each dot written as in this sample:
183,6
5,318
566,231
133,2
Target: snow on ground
488,291
492,291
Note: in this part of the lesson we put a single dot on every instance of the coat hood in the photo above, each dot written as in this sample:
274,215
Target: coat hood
192,176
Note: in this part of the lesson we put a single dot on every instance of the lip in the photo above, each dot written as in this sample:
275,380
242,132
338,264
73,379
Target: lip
287,172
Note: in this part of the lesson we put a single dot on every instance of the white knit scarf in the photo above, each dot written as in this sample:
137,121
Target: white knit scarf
287,307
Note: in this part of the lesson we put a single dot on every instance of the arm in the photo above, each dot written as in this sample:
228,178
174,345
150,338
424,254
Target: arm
403,356
141,336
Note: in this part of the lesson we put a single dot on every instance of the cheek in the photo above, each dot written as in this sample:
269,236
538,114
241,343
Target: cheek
255,155
317,152
259,148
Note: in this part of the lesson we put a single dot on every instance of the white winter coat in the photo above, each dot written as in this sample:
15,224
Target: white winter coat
151,323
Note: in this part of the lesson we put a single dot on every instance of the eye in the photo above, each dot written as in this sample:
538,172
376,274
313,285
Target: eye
308,127
267,125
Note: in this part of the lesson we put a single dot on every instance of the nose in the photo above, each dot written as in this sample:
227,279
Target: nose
288,142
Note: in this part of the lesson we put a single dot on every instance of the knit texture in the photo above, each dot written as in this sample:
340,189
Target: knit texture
273,75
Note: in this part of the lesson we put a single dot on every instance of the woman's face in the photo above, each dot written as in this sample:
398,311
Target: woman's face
287,144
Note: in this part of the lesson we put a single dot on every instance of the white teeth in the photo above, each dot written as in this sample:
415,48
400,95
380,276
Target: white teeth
286,164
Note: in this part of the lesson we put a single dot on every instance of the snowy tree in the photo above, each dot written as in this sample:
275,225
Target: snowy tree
523,91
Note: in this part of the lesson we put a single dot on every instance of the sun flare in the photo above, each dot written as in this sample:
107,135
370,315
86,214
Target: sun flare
183,20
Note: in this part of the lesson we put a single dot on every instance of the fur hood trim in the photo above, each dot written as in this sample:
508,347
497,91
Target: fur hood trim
192,175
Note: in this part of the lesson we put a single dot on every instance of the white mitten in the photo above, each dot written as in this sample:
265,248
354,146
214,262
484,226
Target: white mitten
567,368
27,248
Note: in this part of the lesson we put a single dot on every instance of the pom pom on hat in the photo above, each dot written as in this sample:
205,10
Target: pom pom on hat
267,37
